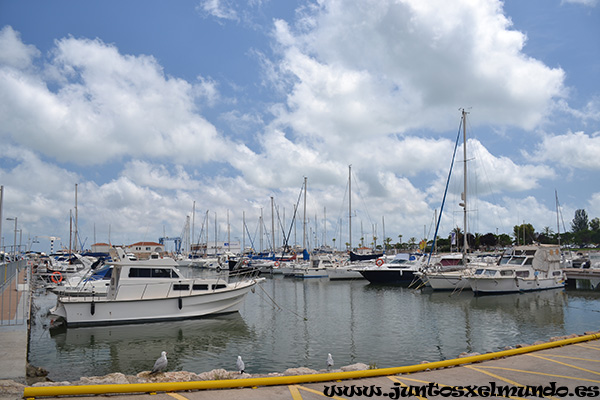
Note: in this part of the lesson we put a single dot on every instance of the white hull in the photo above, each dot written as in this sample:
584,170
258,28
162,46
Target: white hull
101,311
508,285
522,269
447,280
306,273
339,273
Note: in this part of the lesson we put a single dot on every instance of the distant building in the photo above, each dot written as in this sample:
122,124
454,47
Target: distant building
100,248
143,250
216,248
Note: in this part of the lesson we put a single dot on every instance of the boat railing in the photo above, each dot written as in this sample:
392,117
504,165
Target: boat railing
157,290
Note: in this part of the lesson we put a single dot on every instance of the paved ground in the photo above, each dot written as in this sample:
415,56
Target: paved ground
13,329
573,371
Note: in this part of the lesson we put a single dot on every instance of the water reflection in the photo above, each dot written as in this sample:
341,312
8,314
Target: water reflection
290,323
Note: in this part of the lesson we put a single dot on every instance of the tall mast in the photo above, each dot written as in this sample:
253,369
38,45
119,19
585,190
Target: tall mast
272,224
464,197
557,217
304,222
76,221
193,223
350,206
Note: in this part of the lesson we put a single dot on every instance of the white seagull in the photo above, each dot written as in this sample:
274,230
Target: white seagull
160,364
240,364
329,361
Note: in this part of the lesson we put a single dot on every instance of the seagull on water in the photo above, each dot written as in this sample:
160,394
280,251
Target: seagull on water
240,364
160,364
329,361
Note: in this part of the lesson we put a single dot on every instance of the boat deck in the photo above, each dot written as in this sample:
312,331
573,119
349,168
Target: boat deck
582,273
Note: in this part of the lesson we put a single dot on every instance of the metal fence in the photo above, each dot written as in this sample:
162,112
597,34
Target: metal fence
14,292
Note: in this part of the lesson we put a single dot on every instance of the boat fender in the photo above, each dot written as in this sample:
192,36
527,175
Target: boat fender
93,308
180,303
218,269
56,277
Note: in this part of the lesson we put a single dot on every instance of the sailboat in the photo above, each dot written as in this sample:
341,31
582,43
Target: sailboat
449,272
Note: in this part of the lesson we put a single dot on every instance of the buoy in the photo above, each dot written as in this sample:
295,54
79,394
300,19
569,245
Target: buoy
56,277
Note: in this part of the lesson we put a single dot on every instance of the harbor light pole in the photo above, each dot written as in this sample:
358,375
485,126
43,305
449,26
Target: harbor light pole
15,240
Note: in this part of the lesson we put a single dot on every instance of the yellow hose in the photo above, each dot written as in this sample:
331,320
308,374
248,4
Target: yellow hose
52,391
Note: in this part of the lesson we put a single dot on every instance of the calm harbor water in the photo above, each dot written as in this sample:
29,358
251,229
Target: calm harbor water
290,323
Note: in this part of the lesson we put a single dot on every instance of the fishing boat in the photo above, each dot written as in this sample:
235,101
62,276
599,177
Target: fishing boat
152,290
521,269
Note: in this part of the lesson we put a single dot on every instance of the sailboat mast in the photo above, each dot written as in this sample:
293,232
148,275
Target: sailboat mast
272,225
465,242
304,217
193,223
557,218
76,222
350,206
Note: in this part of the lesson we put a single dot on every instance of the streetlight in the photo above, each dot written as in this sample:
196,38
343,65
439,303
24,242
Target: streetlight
15,242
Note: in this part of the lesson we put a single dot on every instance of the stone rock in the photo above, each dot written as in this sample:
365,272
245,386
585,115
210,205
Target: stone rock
355,367
520,345
217,374
116,378
35,371
299,371
10,389
63,383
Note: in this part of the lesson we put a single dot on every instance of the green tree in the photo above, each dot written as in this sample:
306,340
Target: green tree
595,224
524,234
489,240
412,241
580,222
504,240
546,236
387,241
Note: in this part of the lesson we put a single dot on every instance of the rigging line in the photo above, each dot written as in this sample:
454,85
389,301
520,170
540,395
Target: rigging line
342,211
266,232
363,200
499,221
445,192
280,307
294,216
249,236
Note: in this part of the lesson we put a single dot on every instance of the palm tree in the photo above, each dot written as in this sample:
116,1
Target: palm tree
412,241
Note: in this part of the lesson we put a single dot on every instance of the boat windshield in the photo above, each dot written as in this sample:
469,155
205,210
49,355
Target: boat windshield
516,261
485,272
152,273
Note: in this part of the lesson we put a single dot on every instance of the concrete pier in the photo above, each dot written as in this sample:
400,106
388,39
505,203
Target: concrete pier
14,326
562,369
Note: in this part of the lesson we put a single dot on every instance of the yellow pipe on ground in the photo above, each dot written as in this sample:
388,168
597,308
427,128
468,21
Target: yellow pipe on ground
52,391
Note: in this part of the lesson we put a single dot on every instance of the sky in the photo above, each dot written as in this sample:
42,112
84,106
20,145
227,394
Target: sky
149,119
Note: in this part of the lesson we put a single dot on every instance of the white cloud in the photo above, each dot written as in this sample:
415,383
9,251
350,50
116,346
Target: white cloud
107,106
370,69
13,52
220,9
159,176
590,112
572,150
589,3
